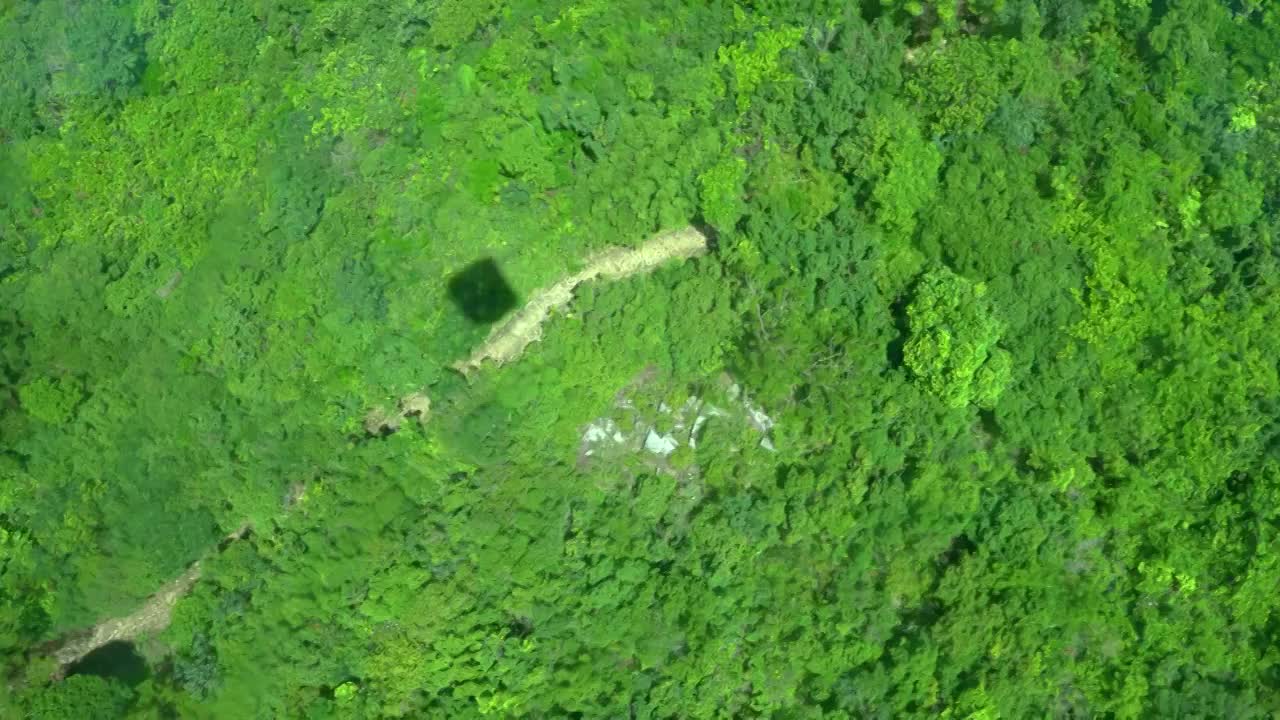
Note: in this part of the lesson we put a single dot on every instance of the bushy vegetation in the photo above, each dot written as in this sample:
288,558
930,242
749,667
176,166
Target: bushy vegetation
1006,274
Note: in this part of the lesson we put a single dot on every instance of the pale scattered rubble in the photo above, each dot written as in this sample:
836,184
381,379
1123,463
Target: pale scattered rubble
660,444
380,421
657,436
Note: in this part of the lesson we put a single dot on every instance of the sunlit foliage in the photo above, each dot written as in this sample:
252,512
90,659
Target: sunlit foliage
1005,274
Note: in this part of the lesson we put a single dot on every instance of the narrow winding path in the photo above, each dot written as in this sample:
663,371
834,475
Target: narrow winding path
505,344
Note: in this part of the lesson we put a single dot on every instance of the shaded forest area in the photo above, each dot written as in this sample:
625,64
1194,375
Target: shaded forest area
1004,274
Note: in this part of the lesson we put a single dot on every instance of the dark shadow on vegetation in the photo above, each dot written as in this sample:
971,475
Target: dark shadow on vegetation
116,660
961,547
895,353
713,236
990,427
520,627
481,292
870,10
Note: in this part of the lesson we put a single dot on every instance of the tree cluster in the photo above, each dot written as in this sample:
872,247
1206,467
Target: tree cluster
1005,273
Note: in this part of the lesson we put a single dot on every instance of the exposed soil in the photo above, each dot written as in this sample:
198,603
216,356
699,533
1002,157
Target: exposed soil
151,618
508,341
505,344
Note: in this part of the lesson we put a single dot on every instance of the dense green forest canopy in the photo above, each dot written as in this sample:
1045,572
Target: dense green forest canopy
997,280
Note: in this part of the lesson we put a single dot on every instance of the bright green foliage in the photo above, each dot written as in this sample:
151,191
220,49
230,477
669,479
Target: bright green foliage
50,400
754,62
1004,275
722,192
890,154
952,348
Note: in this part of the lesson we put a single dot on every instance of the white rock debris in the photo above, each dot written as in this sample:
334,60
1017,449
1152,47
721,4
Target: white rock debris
664,430
659,444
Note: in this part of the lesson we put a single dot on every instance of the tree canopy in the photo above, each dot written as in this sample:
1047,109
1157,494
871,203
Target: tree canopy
990,319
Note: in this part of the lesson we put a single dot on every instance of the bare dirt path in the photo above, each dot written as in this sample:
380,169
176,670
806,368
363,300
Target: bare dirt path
506,343
152,617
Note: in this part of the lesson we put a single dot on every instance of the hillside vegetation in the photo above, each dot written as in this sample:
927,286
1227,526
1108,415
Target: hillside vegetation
1003,274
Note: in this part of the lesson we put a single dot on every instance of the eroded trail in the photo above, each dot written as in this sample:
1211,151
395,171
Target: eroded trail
505,344
154,615
508,341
